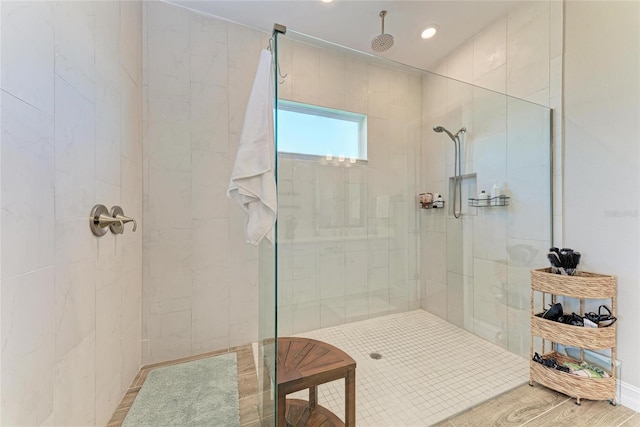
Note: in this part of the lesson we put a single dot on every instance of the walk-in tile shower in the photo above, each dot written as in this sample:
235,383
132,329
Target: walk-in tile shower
353,242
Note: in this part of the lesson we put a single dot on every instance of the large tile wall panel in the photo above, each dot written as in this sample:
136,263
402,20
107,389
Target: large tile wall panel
28,363
191,139
75,391
528,56
108,297
75,29
71,138
490,50
200,275
461,66
27,162
28,73
167,161
520,54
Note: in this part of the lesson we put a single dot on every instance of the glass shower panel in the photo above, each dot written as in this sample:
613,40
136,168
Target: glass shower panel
353,243
487,154
348,237
528,175
475,269
266,348
266,345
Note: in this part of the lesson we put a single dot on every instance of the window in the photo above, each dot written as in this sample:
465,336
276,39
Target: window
319,131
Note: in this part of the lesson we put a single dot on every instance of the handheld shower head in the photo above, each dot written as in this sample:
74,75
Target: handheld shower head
383,41
457,167
440,129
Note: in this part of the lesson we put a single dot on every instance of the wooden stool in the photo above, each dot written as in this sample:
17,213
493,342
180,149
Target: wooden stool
305,363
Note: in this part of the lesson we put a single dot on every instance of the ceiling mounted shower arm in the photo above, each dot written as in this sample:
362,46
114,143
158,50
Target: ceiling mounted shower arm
382,42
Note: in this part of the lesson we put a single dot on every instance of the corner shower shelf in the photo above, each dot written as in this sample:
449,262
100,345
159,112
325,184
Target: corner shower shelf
432,205
490,202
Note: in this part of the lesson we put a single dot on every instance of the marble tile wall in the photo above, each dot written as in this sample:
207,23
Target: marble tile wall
521,55
348,239
71,138
483,273
200,276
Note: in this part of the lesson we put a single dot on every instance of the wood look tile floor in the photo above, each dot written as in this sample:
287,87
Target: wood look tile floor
539,406
531,406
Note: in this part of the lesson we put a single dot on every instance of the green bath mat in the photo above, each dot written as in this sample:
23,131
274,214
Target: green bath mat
192,394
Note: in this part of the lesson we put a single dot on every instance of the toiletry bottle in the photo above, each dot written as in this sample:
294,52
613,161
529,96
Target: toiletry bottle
483,198
495,192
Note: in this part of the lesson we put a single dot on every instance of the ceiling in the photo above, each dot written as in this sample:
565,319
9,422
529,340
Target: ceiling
354,23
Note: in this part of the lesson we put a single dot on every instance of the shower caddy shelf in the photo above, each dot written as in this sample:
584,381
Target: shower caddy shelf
432,205
489,202
582,286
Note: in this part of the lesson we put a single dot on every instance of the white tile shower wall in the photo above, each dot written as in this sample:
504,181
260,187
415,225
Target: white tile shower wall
520,55
349,238
199,274
70,138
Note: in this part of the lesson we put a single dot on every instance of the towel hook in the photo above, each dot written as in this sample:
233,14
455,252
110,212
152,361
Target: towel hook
281,76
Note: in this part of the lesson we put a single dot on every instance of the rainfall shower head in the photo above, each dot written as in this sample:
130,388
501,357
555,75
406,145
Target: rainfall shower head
383,41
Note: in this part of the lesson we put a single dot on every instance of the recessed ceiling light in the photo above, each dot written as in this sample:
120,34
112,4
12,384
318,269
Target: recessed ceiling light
429,32
327,1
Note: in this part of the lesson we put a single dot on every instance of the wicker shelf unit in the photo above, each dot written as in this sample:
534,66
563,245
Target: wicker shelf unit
582,286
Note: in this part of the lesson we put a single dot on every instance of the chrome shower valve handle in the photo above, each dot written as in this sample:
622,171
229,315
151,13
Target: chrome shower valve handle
118,214
126,219
100,220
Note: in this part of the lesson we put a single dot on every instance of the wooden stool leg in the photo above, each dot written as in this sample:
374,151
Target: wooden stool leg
313,396
350,399
282,410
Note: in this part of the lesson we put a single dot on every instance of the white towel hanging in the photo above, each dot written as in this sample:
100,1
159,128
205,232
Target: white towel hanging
253,183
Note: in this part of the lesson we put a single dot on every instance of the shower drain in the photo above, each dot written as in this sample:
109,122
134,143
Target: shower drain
375,356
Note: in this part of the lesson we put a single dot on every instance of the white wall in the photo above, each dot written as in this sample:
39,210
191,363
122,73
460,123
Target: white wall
70,139
199,274
602,133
